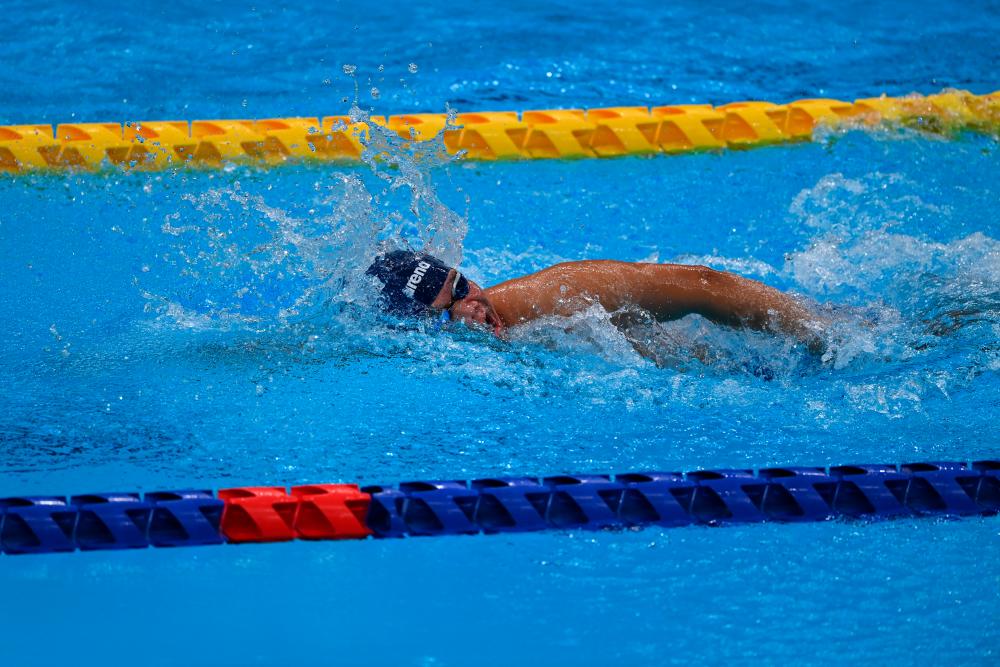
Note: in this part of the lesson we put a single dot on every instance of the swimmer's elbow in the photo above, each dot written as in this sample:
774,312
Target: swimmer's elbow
708,280
707,274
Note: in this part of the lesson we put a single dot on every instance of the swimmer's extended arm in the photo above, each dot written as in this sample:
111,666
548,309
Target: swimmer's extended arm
668,291
675,290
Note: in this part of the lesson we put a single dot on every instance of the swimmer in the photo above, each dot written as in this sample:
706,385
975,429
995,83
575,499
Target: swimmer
415,283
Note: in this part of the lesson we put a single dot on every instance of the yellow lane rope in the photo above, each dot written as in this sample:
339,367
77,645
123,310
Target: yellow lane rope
498,135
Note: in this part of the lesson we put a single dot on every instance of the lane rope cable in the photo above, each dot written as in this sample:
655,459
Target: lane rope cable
489,135
95,521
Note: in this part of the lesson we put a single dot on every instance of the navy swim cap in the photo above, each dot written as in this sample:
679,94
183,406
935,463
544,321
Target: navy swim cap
411,280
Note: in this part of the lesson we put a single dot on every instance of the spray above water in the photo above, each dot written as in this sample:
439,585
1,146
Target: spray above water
872,250
921,315
272,255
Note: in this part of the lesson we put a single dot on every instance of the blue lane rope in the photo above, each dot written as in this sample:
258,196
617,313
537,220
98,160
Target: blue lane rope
43,524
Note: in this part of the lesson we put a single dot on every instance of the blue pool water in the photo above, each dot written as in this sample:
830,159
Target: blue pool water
210,329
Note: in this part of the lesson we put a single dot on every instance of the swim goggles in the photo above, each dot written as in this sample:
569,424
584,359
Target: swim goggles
459,290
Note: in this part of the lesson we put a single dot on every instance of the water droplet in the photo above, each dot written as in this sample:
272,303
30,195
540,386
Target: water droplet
375,93
350,69
412,67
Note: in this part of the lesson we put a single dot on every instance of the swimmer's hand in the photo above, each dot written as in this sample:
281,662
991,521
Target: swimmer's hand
812,332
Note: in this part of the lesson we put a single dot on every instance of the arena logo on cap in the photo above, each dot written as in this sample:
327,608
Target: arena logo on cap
415,278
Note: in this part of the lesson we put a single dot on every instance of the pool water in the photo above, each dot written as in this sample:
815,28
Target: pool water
212,329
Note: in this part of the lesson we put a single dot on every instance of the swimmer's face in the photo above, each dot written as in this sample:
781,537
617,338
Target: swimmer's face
472,310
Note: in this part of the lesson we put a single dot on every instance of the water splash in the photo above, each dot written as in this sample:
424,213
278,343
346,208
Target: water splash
871,250
239,257
918,315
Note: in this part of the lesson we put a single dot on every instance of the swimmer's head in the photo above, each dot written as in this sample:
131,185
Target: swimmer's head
413,281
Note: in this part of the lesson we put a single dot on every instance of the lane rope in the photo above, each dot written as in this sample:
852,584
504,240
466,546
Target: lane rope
95,521
495,135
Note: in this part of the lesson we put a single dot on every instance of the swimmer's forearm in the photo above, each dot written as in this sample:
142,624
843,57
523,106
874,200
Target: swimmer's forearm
735,301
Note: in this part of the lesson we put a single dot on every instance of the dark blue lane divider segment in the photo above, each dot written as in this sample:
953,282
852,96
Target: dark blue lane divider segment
41,524
111,521
184,518
37,524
